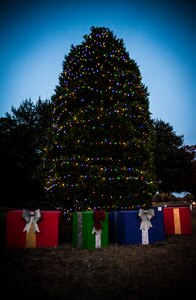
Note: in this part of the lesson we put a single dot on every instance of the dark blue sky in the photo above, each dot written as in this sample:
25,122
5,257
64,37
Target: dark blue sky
159,35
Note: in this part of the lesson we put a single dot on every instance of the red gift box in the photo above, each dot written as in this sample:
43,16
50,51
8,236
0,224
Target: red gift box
177,220
48,235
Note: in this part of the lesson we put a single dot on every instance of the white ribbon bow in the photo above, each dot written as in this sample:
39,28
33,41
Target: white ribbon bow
31,218
145,216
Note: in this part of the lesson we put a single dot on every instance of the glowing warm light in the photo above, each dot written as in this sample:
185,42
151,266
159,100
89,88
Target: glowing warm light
101,147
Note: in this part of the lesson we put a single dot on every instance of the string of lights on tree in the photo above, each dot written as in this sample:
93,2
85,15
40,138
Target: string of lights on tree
99,150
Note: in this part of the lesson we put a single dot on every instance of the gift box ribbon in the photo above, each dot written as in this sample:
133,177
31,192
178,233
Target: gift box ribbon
31,218
177,226
99,216
145,216
31,227
97,237
79,229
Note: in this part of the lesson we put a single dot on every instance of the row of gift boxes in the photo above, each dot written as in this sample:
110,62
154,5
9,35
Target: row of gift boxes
122,227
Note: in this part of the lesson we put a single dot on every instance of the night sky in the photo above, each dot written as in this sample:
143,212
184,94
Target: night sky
159,35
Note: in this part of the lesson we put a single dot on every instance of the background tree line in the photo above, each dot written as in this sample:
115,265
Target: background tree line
23,133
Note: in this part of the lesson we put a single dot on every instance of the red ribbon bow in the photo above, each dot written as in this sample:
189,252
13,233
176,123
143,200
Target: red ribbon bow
99,215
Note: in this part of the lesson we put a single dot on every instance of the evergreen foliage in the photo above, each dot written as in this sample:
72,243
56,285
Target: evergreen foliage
100,149
22,131
172,161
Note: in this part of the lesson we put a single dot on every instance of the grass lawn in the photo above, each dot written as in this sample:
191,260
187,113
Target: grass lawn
157,271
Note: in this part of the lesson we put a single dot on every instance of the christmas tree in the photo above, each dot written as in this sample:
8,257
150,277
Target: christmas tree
100,144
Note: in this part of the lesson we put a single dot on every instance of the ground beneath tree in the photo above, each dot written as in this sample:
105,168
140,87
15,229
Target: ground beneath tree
159,271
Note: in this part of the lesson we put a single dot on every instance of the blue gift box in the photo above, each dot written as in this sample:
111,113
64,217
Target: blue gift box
112,220
124,227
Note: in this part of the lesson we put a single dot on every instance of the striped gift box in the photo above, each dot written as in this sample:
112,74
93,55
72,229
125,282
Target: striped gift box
177,220
83,235
47,234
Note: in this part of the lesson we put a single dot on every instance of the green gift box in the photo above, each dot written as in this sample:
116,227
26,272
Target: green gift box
83,233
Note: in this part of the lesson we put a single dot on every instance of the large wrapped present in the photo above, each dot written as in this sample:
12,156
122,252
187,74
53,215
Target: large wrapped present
112,224
90,229
27,228
139,226
177,220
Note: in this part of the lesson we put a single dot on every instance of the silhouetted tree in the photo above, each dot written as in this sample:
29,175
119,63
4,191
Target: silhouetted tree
172,163
21,133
